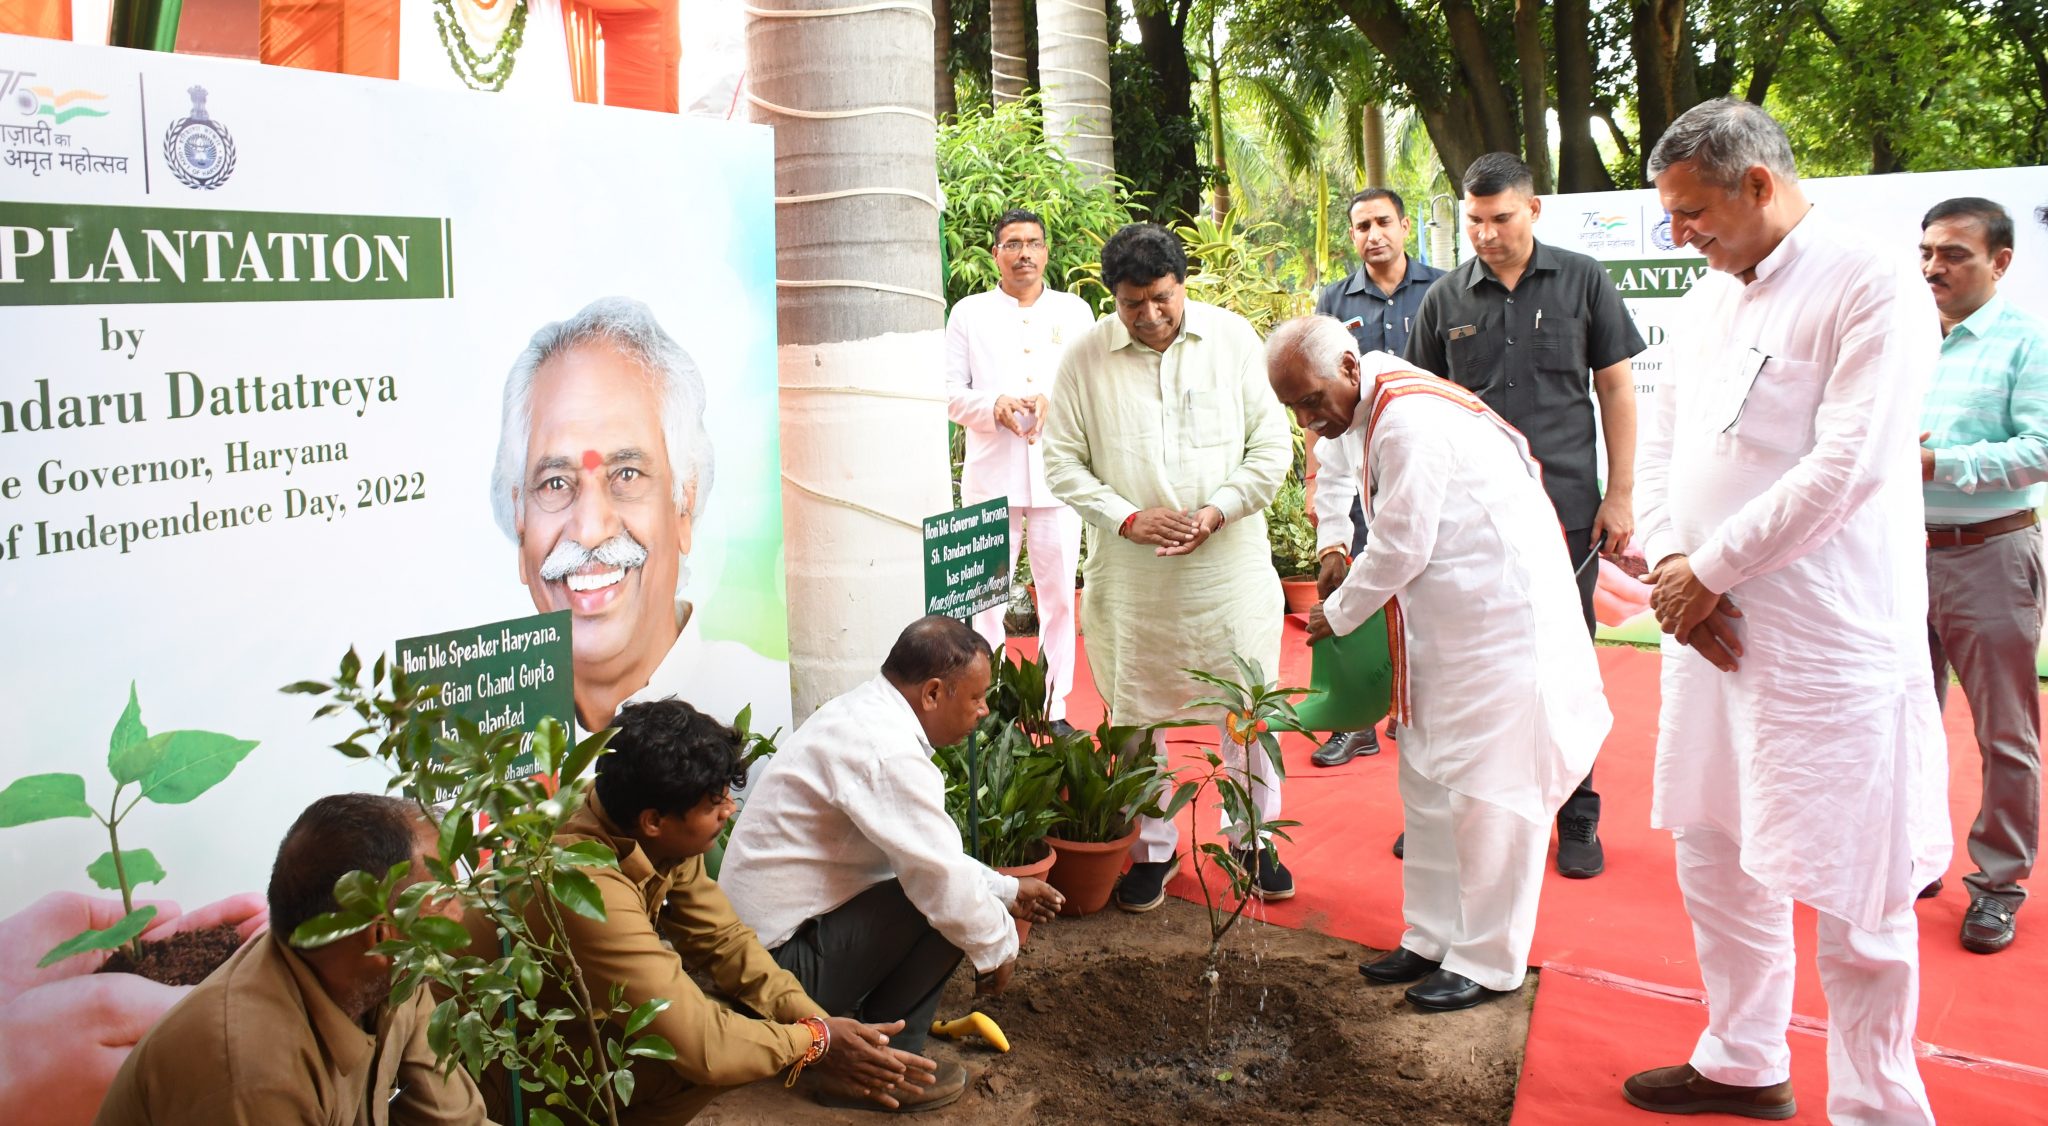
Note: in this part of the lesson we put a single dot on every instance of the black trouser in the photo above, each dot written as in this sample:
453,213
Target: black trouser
1584,804
874,957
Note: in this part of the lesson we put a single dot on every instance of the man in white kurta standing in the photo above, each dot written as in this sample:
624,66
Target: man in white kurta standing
1496,687
1166,439
1003,352
1799,754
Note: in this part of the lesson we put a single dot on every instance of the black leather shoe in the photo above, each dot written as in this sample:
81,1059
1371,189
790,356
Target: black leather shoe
1401,966
1401,847
1931,890
1061,728
1144,886
1988,927
1345,746
1579,855
1444,991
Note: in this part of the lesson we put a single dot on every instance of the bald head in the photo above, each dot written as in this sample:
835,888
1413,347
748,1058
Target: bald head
1312,363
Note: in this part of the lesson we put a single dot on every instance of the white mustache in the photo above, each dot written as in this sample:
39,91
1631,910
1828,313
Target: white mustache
621,550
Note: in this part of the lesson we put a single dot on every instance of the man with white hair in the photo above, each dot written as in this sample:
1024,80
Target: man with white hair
1799,755
603,470
1495,684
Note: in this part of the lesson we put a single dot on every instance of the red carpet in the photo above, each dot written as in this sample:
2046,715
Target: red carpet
1630,924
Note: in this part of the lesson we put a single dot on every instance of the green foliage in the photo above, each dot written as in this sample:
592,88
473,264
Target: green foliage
1014,786
993,160
1107,779
496,859
1155,140
754,747
1000,791
1292,537
1237,268
170,768
1254,715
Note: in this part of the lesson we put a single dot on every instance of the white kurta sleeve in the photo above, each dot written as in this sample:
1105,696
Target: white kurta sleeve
1416,462
971,407
1654,529
1866,422
900,805
1268,443
1069,470
1336,487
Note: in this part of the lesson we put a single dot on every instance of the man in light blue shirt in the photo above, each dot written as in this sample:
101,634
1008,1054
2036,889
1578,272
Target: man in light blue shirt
1984,458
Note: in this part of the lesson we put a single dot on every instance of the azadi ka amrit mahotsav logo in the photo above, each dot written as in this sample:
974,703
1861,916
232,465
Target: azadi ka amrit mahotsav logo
59,107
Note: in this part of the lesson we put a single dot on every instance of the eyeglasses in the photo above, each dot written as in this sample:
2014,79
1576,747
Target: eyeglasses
557,484
1015,245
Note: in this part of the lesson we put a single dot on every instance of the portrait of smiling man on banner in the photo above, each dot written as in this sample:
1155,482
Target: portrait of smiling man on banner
604,468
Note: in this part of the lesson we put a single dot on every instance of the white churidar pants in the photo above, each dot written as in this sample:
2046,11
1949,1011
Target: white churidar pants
1055,554
1743,935
1470,881
1158,838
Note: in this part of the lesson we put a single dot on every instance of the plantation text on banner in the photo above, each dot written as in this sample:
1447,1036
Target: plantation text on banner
967,559
261,328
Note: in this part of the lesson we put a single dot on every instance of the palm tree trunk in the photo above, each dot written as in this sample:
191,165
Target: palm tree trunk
860,322
1374,122
1007,49
1219,195
1073,65
944,102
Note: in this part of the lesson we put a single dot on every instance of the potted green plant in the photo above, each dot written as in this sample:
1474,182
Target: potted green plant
1107,779
1002,799
1293,541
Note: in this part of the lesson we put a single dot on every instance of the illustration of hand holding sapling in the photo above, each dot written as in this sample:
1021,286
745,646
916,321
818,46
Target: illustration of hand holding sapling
170,768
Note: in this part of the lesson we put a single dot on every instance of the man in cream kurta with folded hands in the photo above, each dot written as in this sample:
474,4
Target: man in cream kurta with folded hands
1799,754
1003,351
1166,439
1496,687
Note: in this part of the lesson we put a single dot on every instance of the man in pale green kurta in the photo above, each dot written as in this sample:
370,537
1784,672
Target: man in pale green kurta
1165,436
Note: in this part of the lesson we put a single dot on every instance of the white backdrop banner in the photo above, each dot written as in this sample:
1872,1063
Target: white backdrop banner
258,328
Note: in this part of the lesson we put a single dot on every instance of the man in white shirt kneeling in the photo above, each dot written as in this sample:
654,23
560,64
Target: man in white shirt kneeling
848,867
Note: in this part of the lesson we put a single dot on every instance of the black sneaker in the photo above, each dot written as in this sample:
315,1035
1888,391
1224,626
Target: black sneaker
1144,886
1273,882
1579,855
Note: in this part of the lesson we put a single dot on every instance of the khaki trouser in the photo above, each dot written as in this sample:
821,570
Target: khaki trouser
1984,605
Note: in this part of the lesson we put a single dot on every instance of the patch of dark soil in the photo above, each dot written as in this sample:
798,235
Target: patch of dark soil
184,958
1281,1040
1109,1025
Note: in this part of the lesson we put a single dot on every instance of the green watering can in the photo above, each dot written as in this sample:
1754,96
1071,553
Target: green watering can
1351,683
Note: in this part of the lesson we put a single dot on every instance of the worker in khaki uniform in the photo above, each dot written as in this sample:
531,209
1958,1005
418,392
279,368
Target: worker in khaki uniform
659,801
279,1035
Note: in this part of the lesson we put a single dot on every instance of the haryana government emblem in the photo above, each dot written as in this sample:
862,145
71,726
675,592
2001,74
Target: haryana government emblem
199,149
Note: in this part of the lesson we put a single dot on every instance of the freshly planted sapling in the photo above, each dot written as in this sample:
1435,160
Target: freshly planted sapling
169,768
1253,718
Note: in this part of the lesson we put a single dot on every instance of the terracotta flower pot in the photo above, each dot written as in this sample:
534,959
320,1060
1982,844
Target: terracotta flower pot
1036,870
1086,871
1301,594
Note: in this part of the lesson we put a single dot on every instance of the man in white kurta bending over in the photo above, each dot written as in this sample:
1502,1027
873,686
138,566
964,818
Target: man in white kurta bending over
1496,687
1003,351
1799,755
1166,439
